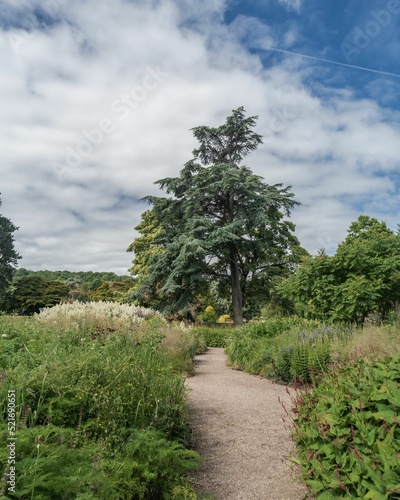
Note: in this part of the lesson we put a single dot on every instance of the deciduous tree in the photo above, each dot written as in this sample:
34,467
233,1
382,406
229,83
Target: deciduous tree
363,276
33,292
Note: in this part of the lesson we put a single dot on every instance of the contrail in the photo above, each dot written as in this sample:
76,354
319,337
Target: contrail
386,73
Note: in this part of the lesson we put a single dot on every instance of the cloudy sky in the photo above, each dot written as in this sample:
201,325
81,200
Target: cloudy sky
97,99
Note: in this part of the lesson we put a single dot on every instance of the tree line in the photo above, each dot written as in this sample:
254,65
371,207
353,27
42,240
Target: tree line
29,291
223,237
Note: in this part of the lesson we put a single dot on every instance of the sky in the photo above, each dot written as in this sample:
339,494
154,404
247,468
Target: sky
98,99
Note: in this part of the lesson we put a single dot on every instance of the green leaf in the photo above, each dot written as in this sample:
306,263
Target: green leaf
375,495
354,477
315,485
325,496
386,415
334,483
328,418
295,460
371,436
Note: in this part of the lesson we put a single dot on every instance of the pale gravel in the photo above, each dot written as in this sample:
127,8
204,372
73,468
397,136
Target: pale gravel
239,430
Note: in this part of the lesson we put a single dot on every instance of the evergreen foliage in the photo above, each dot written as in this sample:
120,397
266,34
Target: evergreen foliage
8,255
93,278
33,293
33,290
221,223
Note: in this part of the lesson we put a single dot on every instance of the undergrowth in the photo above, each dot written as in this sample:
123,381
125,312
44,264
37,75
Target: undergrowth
346,413
347,431
100,410
285,349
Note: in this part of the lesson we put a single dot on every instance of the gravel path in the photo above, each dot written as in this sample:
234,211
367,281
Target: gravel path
238,430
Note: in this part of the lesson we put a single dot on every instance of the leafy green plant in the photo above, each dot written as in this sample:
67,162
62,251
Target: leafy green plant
209,316
359,280
242,349
283,363
290,355
347,431
52,464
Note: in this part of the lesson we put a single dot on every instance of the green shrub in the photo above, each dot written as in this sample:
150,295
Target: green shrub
215,337
209,316
347,431
275,326
242,349
283,363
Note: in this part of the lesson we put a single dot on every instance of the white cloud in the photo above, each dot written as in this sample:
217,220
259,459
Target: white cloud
292,4
134,79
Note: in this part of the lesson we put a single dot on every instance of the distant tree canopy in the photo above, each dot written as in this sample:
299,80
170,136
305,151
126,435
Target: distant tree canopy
112,291
94,278
221,224
8,255
33,290
363,277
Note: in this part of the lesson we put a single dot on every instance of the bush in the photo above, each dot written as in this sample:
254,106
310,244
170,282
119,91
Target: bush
225,318
209,316
215,337
347,431
275,326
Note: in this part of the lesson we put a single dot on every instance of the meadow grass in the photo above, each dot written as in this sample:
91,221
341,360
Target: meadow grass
100,403
375,341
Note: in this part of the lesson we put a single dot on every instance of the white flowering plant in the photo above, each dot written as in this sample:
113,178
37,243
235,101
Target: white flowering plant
98,316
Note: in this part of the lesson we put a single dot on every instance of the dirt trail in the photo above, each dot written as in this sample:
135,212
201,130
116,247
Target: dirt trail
239,432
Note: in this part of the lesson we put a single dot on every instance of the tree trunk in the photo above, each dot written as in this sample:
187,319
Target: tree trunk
236,290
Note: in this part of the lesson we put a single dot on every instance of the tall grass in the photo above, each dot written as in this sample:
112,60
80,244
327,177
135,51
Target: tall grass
285,349
101,404
217,335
